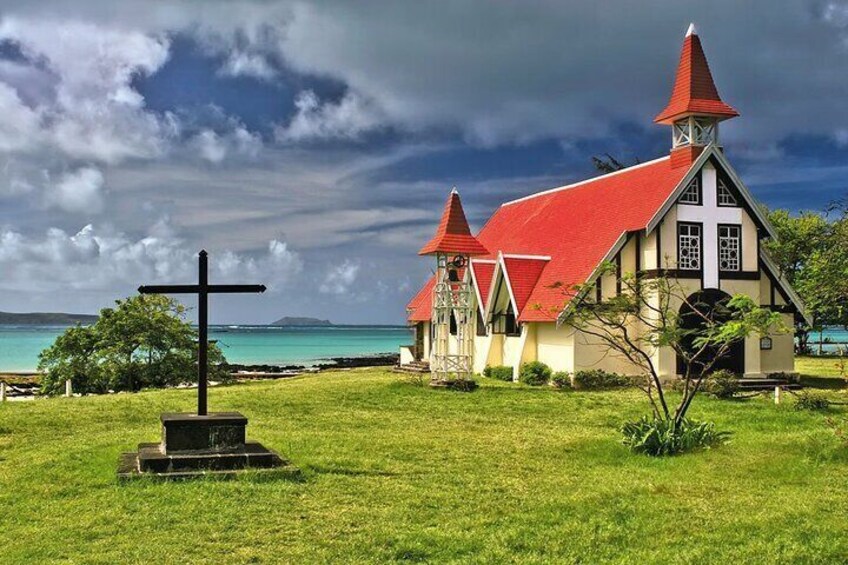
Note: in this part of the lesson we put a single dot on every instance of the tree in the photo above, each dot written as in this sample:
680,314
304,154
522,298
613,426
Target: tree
811,251
144,341
606,163
655,313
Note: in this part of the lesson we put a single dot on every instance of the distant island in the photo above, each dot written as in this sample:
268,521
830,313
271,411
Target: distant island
295,321
45,319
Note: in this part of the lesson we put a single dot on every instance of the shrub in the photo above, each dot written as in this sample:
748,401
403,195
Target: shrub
811,401
561,379
722,384
534,373
499,372
599,379
657,438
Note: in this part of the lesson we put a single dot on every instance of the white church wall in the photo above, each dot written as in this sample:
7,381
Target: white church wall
555,346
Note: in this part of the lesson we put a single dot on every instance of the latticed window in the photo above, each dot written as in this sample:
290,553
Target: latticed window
505,323
692,194
729,241
689,246
725,197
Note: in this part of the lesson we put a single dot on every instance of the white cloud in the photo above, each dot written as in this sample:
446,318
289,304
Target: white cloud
78,192
340,278
350,118
101,259
241,63
214,147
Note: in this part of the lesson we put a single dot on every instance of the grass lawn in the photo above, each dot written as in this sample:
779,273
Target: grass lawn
397,472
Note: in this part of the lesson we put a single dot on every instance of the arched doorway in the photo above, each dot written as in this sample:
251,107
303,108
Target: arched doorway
711,303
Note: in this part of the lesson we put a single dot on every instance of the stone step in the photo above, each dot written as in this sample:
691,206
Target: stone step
151,459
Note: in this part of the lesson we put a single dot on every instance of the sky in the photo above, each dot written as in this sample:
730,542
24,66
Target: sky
310,146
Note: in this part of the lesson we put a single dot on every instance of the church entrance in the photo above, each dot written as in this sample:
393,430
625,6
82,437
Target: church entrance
712,304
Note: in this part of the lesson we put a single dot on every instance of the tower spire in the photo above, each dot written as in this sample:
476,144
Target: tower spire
695,107
453,236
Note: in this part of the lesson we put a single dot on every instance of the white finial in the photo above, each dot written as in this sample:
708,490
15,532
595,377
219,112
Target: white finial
692,30
454,191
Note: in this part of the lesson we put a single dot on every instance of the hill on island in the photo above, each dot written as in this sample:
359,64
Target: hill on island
45,319
296,321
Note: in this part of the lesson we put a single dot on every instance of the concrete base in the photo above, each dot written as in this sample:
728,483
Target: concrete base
195,445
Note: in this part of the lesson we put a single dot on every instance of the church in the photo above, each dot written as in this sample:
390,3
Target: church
493,299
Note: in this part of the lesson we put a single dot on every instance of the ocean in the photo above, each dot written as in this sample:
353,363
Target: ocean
262,345
20,345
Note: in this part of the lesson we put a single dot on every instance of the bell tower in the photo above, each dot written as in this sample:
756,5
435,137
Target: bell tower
454,314
695,108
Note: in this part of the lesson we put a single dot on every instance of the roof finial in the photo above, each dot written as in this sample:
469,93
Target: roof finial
454,191
692,30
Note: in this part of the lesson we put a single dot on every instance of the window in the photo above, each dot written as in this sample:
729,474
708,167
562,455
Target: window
504,323
453,324
481,323
765,343
689,246
725,197
729,241
692,194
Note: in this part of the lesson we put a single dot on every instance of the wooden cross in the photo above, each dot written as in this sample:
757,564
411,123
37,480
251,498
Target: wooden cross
203,289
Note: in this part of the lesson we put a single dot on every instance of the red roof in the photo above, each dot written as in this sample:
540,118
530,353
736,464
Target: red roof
694,90
453,236
576,226
483,272
523,274
421,306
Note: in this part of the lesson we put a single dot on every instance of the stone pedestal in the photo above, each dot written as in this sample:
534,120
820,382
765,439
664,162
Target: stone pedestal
195,445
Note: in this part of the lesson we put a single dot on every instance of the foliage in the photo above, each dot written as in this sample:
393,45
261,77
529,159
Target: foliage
811,401
811,251
840,429
599,379
792,378
659,436
534,373
662,310
609,164
561,379
143,342
722,384
499,372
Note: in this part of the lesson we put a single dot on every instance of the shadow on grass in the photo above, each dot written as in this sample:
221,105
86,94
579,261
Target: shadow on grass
348,472
827,383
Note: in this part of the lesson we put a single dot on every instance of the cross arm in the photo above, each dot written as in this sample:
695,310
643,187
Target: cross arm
235,288
169,289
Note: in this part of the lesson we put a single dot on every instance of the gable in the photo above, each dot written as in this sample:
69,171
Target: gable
727,174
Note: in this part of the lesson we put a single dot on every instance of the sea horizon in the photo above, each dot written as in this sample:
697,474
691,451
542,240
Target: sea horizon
242,344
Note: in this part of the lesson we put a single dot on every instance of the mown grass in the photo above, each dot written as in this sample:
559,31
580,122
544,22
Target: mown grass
395,472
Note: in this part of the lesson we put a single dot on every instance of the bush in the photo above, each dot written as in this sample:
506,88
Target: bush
658,438
811,401
599,379
499,372
561,379
722,384
534,373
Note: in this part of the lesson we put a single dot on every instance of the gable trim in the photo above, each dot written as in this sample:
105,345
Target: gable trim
712,150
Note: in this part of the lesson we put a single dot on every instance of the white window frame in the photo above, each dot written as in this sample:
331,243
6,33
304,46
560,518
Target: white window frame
692,195
690,237
729,248
725,196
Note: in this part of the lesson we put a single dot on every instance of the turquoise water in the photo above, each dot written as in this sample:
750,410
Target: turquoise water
20,346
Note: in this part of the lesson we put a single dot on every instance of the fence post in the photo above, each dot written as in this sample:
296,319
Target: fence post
68,388
777,395
2,392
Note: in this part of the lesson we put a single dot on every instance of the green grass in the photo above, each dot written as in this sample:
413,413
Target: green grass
394,472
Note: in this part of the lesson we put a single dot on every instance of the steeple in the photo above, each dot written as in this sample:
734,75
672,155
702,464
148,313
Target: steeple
695,108
453,236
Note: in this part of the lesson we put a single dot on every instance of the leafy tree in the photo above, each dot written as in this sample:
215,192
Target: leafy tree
606,163
811,251
144,341
655,313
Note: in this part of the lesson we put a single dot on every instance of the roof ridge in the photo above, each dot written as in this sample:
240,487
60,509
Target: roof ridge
587,181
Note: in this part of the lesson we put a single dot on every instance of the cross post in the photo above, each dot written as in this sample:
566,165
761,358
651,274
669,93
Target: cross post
203,289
